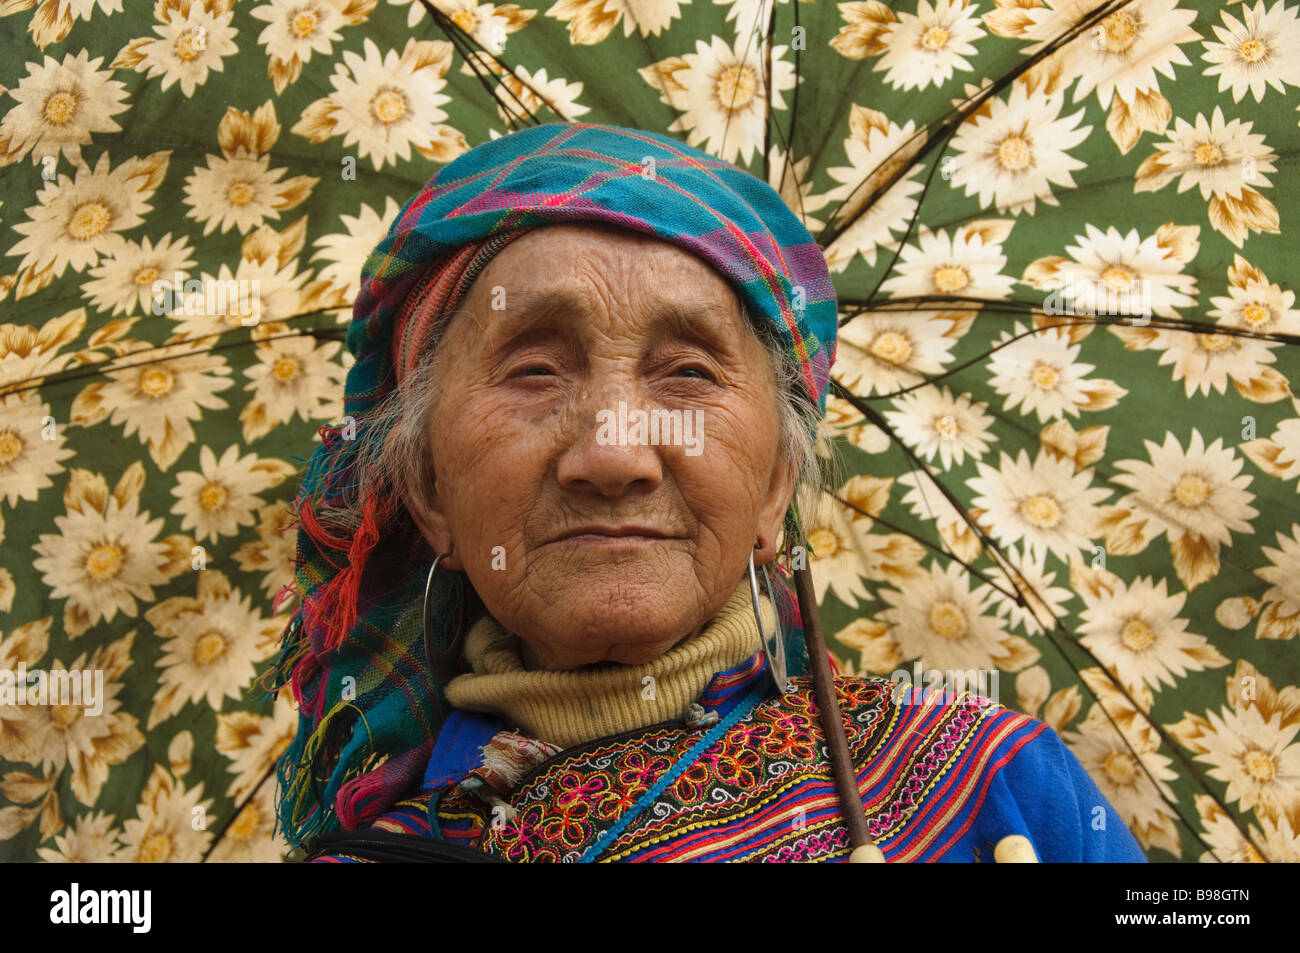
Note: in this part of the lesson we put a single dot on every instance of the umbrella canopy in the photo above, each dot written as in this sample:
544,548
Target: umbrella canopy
1062,394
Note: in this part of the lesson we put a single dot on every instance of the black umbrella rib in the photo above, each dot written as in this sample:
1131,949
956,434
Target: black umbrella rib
1108,181
1188,768
937,302
956,116
922,303
933,547
221,832
735,88
472,53
465,47
1188,326
98,369
875,417
947,127
994,550
786,140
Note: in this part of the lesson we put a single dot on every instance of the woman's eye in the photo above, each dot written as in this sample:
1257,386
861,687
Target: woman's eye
699,372
534,370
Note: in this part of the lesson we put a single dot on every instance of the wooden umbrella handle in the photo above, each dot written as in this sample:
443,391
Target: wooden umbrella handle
846,778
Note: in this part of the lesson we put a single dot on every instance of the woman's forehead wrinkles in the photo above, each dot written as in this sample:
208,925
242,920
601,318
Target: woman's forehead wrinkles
713,323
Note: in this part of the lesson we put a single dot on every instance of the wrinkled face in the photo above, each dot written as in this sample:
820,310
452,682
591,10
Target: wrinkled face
590,537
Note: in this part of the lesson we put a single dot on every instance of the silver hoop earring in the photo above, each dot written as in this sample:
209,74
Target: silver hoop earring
773,645
443,660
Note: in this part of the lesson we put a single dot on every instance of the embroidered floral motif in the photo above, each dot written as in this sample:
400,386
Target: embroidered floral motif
750,795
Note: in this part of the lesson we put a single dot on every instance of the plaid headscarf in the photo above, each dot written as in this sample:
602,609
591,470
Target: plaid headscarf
353,651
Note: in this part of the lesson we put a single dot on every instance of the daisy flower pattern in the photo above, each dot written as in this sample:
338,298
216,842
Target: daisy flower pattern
222,496
1278,455
1045,602
345,251
211,645
92,839
297,28
386,103
591,21
105,555
790,178
1197,497
251,837
158,399
489,25
877,148
255,293
883,352
1278,840
1260,50
926,501
937,423
1251,745
28,458
526,90
163,830
1225,160
967,264
66,738
1255,303
1011,152
60,105
1039,373
253,744
926,47
988,181
1208,360
720,92
1136,632
941,619
293,375
844,420
1125,778
834,543
79,219
54,19
28,354
845,551
1121,57
272,553
1140,276
1281,616
194,37
239,189
139,275
1045,505
1130,47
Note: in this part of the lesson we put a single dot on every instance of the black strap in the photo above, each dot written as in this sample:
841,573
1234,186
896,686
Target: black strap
394,847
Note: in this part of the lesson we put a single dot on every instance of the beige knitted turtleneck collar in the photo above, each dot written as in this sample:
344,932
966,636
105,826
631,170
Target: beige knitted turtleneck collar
567,708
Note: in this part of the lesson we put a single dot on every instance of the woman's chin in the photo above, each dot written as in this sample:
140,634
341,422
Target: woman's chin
627,622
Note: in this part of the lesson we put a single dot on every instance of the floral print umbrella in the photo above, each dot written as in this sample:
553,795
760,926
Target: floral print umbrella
1062,398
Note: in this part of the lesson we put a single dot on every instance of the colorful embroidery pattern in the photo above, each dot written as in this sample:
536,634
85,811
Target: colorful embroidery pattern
763,792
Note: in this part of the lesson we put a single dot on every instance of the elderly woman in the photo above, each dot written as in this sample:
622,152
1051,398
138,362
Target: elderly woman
590,366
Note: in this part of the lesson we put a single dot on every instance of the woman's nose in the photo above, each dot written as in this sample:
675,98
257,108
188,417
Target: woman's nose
609,450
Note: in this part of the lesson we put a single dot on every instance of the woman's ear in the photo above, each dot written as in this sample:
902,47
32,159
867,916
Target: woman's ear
419,494
771,515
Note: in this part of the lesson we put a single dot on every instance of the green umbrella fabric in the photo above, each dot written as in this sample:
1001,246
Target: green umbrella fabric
1071,450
